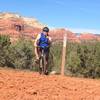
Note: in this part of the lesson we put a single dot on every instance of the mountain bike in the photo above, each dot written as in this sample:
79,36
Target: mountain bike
43,60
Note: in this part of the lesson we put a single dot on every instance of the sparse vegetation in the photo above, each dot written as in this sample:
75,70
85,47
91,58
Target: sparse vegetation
82,59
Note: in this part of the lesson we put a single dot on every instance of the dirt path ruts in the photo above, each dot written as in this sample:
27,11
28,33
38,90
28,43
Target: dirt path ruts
25,85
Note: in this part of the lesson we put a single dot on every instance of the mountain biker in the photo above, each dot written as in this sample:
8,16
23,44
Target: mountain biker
43,40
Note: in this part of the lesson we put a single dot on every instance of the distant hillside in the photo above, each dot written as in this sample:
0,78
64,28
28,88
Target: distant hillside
29,21
15,25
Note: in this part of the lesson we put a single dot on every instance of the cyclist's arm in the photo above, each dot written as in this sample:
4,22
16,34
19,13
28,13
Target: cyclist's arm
50,40
36,40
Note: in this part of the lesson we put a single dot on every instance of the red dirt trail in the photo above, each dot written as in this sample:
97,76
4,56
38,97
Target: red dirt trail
26,85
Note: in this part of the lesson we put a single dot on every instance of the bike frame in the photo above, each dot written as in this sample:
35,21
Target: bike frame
43,62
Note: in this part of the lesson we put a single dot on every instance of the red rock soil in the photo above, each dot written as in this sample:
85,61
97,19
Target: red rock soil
26,85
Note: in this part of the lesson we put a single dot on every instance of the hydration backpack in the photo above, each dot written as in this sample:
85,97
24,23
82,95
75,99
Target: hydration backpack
43,41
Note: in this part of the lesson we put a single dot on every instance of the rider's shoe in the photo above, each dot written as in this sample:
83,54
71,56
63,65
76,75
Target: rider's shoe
46,73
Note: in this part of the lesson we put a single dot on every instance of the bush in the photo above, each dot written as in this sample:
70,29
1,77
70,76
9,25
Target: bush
21,54
72,59
4,46
56,51
82,59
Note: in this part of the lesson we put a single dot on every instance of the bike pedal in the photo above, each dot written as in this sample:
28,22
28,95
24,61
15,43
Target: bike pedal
37,61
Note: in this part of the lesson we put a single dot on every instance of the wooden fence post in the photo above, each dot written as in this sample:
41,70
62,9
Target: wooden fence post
63,53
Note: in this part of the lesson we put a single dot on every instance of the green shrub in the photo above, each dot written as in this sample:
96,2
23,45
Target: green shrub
56,51
4,46
82,59
21,54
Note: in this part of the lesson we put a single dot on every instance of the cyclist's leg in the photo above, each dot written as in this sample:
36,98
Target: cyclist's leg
37,54
47,58
47,55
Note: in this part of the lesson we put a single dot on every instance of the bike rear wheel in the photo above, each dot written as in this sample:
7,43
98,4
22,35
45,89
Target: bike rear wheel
43,65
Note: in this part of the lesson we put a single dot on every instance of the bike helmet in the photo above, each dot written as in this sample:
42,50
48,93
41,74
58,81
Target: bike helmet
46,29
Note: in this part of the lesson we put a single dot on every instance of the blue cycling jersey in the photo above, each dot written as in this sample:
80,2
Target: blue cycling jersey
43,41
